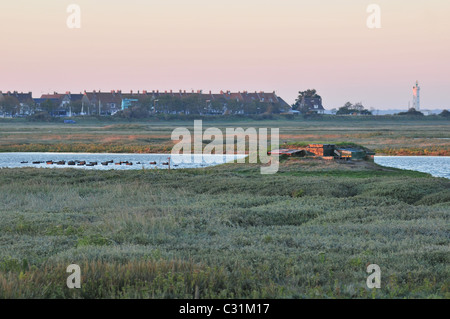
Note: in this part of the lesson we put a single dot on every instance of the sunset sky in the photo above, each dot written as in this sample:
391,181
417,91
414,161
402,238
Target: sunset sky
263,45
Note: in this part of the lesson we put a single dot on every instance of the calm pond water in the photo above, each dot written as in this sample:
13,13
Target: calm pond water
435,165
438,166
139,161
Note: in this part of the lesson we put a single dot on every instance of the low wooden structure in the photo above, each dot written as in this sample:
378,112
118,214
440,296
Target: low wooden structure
287,152
321,149
329,151
350,153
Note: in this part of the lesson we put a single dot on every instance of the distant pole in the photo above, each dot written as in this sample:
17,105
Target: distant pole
154,105
207,105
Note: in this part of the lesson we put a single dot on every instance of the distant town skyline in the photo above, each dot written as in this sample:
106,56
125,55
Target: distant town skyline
233,45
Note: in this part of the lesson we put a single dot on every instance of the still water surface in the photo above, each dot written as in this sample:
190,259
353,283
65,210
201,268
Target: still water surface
438,166
13,160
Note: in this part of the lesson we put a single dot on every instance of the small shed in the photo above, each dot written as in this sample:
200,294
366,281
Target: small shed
351,153
321,149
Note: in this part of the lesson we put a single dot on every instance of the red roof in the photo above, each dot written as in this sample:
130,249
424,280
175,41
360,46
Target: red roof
52,96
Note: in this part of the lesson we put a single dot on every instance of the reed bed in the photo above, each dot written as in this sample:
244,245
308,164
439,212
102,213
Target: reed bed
224,232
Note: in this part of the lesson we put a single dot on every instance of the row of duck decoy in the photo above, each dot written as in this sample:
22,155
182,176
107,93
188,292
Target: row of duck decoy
84,163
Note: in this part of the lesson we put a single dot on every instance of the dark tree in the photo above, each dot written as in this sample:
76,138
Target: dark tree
233,106
346,109
48,106
349,108
411,112
445,113
217,107
310,93
76,106
9,105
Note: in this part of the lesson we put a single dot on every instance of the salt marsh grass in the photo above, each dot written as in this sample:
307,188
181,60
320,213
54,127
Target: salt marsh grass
224,232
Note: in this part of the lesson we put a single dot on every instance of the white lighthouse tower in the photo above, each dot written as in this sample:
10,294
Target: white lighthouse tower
416,96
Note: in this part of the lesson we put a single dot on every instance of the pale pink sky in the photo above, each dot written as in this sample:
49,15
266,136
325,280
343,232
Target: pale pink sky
282,45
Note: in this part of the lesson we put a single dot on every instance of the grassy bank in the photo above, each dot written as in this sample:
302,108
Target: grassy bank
385,135
225,232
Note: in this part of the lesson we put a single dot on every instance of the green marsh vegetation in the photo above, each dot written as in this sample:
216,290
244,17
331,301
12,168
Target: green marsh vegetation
228,231
225,232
